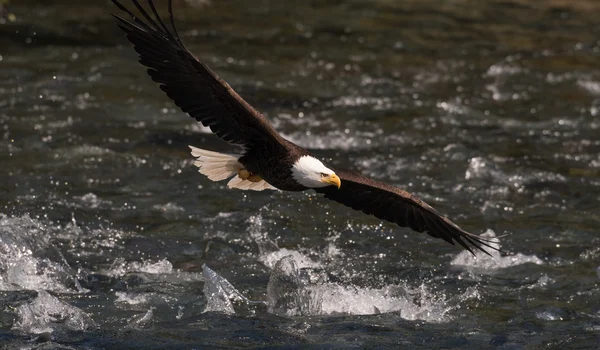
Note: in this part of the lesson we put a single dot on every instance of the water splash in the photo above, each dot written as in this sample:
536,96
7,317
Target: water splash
130,299
169,210
299,285
28,261
46,313
482,169
294,291
120,267
302,261
593,87
220,294
495,261
142,321
91,201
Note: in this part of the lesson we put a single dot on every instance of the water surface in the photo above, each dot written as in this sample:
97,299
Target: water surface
487,110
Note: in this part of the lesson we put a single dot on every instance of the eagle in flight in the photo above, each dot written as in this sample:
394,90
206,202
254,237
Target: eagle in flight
267,160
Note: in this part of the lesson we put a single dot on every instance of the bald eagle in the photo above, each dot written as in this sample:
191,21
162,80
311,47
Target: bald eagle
267,160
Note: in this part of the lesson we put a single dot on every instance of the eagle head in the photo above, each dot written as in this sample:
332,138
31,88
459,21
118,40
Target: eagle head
310,172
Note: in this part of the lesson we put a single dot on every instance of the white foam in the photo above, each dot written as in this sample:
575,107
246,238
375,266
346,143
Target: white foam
159,271
495,261
593,87
503,69
294,291
28,260
297,288
46,313
412,303
302,261
21,271
130,299
168,209
543,282
340,140
92,201
483,169
120,267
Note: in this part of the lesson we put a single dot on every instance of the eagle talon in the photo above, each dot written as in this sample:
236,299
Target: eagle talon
254,178
246,175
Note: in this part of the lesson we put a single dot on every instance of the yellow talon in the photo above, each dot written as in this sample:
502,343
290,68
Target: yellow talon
255,178
244,174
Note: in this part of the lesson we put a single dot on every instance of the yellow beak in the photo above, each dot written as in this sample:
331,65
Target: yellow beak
332,179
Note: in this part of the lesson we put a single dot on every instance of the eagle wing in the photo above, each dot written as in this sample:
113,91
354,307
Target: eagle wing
196,89
395,205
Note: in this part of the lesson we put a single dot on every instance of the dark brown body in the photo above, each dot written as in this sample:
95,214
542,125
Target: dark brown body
274,164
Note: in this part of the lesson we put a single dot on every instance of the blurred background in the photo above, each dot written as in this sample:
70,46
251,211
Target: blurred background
487,110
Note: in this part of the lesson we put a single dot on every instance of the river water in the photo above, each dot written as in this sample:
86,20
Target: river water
488,110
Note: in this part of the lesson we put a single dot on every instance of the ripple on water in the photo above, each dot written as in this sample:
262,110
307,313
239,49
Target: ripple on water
591,86
91,201
169,210
481,169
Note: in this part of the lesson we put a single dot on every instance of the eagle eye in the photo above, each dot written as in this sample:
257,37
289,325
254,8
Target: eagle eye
323,175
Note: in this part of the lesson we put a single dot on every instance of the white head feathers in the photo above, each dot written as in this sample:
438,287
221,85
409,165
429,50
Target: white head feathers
309,172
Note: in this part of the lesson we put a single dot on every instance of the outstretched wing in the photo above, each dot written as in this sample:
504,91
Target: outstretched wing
196,89
393,204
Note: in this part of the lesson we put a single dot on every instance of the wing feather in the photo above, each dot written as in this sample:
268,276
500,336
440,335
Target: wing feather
194,87
393,204
201,93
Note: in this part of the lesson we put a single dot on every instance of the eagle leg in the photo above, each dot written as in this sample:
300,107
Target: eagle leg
255,178
246,175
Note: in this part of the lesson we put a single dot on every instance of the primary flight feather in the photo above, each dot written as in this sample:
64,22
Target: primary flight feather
268,161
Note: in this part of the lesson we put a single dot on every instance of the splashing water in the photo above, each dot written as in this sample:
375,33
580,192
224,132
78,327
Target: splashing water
495,130
28,261
494,260
295,289
46,313
220,294
120,267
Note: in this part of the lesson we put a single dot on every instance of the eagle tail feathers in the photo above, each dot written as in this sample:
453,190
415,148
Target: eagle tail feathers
216,166
221,166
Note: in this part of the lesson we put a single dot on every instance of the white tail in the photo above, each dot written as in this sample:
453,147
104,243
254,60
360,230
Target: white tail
240,184
216,166
220,166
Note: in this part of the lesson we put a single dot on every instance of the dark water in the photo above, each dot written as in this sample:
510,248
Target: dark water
489,110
